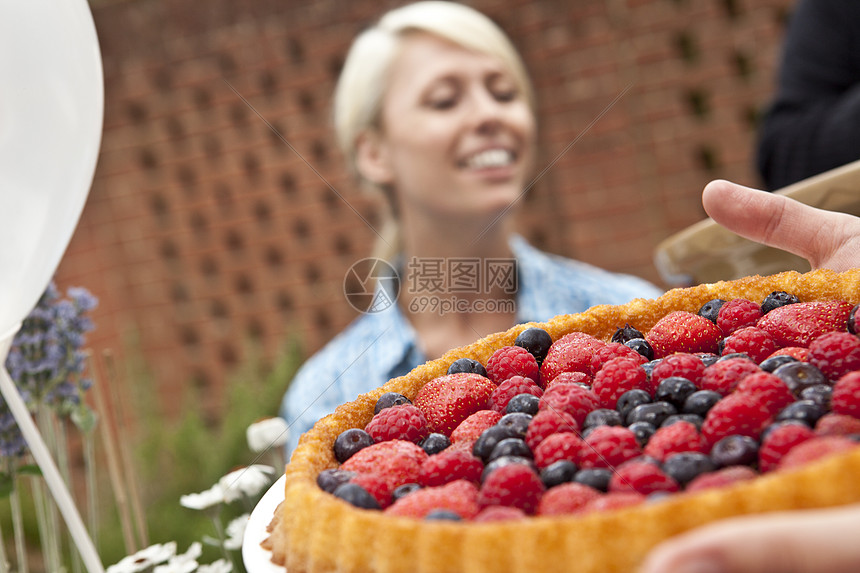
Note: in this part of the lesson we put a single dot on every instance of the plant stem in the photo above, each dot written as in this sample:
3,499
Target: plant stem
52,526
18,528
222,537
4,562
92,484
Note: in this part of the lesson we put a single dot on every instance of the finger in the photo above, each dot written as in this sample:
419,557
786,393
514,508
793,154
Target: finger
789,542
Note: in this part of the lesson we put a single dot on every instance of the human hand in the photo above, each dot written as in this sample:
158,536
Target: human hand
825,238
808,541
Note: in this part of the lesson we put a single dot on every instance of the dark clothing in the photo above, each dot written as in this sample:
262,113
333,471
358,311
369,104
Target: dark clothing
813,124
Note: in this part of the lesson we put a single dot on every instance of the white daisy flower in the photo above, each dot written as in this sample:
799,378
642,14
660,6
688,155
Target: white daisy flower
248,481
267,433
145,558
220,566
183,563
203,500
236,532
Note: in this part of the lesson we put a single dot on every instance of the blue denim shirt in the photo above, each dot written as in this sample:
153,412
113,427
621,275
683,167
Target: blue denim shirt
379,346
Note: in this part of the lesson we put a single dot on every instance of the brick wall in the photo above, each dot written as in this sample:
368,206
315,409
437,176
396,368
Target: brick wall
211,227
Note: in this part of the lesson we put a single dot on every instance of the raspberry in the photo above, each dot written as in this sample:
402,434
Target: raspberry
448,466
735,414
493,513
681,364
642,477
779,442
566,498
570,353
835,354
571,398
570,378
797,352
723,376
404,422
617,376
472,427
459,496
397,461
612,350
512,361
846,395
681,331
448,400
767,390
514,485
837,425
679,437
752,341
721,478
511,387
377,486
608,446
548,422
815,449
559,446
615,500
736,314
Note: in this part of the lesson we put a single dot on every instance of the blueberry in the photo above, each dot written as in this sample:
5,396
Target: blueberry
852,320
735,450
467,365
653,413
700,402
603,417
598,478
525,403
442,515
730,355
558,473
330,479
805,411
510,447
774,362
648,367
435,443
819,393
488,439
356,495
390,399
674,390
711,309
517,423
799,375
404,490
777,299
642,346
349,442
694,419
623,335
708,358
643,432
686,466
536,340
506,461
630,400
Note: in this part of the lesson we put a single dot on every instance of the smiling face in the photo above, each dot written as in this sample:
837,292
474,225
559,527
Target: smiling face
456,136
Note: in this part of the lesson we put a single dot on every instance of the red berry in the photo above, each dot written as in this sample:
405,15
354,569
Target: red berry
404,422
514,485
796,352
548,422
736,314
566,498
815,449
448,400
495,513
681,364
767,390
721,478
612,350
837,425
752,341
570,378
614,500
724,376
377,486
616,377
846,395
641,477
682,331
779,442
799,324
398,461
511,387
559,446
512,361
570,353
608,447
835,354
472,427
459,496
450,465
735,414
676,438
571,398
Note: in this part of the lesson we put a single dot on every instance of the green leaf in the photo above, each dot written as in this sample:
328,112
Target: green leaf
29,470
7,485
84,418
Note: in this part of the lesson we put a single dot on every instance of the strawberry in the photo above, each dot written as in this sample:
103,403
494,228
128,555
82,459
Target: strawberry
397,461
459,496
469,429
570,353
799,324
682,331
448,400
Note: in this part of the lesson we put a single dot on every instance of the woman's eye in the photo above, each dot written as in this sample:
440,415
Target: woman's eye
505,95
442,103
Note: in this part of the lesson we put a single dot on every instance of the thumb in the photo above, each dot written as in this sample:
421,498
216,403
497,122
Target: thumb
788,542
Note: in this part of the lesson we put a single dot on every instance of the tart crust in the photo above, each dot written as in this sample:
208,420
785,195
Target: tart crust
313,531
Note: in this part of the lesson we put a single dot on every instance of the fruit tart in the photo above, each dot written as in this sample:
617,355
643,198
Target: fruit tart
580,443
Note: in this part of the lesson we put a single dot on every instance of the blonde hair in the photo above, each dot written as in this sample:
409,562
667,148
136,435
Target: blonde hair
363,80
